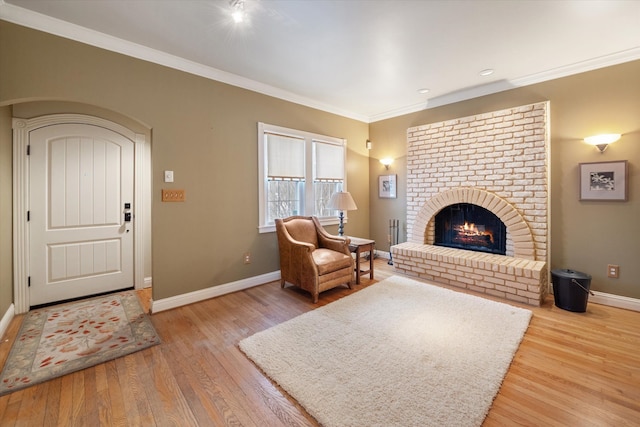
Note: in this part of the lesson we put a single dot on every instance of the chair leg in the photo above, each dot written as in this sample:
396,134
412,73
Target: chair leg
315,297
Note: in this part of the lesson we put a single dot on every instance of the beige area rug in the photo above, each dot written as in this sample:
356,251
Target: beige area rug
398,353
61,339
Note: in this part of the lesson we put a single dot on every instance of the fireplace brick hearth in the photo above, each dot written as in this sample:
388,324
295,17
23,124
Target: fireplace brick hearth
496,160
509,278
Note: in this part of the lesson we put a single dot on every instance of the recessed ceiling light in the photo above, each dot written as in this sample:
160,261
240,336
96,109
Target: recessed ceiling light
486,72
237,10
423,90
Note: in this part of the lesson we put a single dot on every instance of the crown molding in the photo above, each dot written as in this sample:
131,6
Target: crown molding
579,67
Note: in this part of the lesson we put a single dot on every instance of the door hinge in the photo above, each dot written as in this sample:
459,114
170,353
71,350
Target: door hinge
28,216
28,150
29,281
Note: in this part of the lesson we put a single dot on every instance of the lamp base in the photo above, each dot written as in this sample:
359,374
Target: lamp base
341,226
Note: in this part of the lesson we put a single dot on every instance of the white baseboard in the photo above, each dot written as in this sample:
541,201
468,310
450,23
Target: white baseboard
6,319
212,292
615,301
216,291
147,282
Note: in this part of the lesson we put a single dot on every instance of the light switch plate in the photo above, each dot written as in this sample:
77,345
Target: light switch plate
168,176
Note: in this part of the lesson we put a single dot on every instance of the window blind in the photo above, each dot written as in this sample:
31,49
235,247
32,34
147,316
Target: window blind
329,161
285,157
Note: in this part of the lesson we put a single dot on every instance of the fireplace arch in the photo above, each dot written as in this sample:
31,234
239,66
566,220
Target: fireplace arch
517,229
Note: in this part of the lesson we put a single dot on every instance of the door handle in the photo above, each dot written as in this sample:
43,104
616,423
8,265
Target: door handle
127,212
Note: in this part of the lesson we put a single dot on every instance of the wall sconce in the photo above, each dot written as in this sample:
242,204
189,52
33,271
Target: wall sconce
368,144
386,162
602,141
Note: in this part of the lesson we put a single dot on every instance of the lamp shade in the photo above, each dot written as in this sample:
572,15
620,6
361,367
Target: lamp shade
342,201
602,141
606,138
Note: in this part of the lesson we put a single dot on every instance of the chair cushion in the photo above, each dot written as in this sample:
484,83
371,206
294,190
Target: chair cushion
303,230
329,261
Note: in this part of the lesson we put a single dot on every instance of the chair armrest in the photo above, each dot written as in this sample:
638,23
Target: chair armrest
282,230
303,246
339,244
330,241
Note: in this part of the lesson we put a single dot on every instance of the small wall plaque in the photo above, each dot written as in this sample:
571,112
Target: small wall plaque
388,186
172,195
603,181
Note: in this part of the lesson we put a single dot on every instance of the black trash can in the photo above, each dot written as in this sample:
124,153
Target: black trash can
571,289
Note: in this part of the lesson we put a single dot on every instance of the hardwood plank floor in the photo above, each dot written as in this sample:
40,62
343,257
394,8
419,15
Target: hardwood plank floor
572,369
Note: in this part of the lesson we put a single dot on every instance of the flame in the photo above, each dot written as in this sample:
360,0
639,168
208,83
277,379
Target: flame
470,229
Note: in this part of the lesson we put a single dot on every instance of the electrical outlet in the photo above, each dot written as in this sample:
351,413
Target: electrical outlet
247,258
613,271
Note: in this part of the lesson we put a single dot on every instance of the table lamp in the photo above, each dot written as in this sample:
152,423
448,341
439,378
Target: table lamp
342,201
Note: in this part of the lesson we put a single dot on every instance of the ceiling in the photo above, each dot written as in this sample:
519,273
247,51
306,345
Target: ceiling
364,59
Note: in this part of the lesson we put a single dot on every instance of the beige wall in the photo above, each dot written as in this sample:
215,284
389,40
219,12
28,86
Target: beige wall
6,248
585,236
205,131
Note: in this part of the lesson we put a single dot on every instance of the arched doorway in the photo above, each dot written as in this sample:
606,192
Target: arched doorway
67,260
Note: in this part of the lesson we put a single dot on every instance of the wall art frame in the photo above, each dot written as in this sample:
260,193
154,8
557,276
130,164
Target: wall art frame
604,181
388,186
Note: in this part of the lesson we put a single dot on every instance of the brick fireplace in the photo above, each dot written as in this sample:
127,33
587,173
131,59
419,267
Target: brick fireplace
498,161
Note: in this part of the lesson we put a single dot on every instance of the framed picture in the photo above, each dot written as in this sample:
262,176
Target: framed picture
603,181
387,186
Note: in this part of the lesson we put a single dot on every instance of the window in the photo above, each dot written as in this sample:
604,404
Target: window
298,172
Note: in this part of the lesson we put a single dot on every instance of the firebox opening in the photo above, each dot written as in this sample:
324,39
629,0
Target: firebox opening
471,227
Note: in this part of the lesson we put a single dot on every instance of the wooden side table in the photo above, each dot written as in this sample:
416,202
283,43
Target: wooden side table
359,246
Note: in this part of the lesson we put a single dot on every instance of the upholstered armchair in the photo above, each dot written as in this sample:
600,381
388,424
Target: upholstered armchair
310,257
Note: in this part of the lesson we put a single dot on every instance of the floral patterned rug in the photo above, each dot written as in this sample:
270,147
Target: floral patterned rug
61,339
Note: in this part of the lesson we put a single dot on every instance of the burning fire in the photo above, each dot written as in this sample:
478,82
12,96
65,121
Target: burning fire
470,229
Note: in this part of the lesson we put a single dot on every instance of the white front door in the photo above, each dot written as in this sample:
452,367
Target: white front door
81,180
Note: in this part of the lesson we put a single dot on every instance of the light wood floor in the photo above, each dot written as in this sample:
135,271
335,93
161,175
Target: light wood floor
570,370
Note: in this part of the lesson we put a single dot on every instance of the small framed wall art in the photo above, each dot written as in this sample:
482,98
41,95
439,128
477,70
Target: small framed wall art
603,181
387,186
